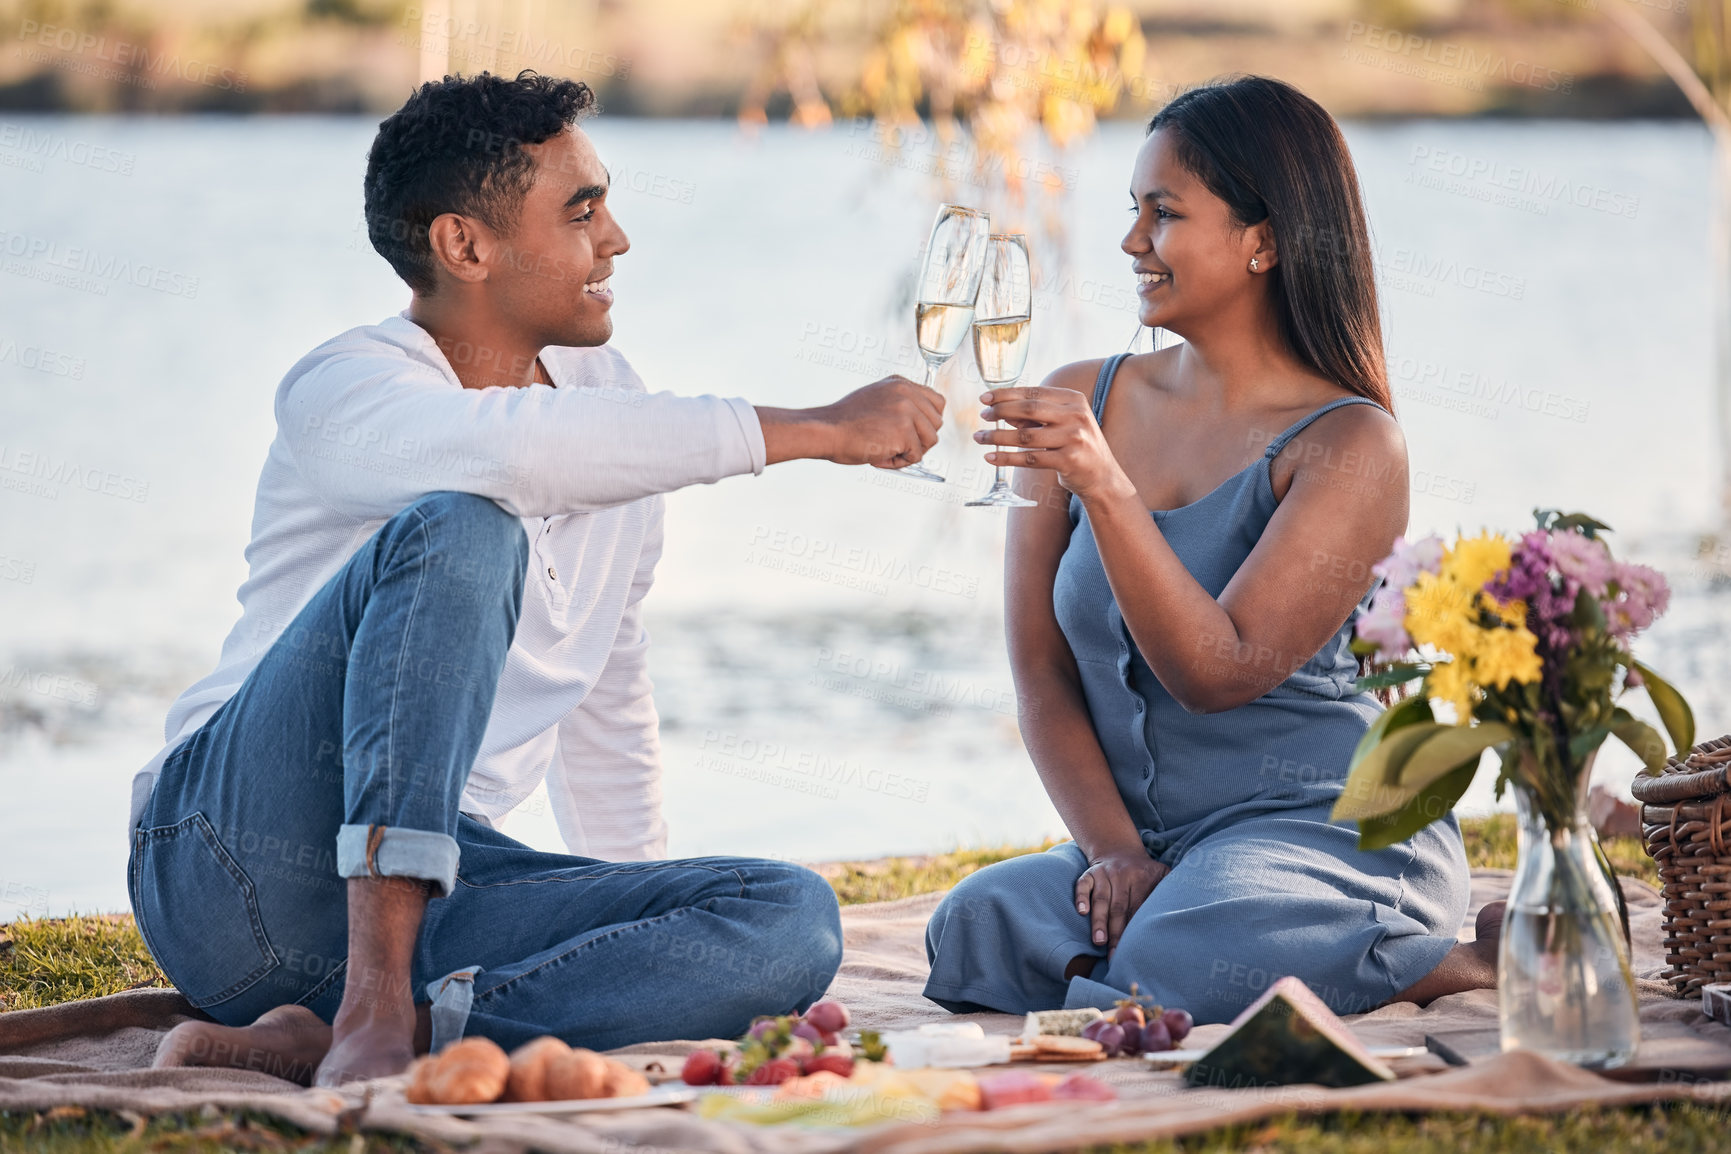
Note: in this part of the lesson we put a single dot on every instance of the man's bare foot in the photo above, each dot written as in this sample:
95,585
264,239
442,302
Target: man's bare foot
369,1044
378,1030
287,1042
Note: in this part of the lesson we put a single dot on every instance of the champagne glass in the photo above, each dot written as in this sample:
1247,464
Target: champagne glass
949,282
1001,333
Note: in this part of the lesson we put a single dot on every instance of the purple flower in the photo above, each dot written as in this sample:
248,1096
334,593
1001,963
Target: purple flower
1402,567
1385,623
1643,595
1583,560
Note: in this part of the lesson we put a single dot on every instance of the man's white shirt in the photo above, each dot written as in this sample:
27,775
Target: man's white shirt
373,419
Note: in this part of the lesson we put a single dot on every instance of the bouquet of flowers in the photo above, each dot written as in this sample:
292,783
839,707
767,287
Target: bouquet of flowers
1527,641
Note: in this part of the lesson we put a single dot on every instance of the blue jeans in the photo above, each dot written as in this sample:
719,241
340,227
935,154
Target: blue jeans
344,754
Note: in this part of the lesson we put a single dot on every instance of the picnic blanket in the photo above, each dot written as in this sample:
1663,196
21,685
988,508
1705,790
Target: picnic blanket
96,1055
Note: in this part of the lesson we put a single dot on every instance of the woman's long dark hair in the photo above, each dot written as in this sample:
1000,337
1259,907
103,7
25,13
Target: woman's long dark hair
1272,153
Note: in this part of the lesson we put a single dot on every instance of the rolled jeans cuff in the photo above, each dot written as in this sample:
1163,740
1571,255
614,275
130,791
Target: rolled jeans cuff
379,851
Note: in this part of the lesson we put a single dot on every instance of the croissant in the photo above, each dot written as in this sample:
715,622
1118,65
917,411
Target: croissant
470,1071
622,1081
578,1074
530,1065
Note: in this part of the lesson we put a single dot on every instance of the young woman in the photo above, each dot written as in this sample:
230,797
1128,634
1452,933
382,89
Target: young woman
1180,603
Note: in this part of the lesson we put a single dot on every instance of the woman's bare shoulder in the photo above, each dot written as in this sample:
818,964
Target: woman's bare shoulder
1077,376
1080,376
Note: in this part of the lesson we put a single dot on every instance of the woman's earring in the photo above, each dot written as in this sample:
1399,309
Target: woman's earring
1252,264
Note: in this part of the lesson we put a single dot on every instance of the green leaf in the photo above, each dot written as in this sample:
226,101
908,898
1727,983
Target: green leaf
1584,743
1432,802
1393,675
1581,521
1449,747
1373,783
1408,711
1640,737
1587,614
1679,719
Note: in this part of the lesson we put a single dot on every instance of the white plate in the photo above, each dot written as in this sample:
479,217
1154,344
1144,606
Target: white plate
659,1096
1180,1057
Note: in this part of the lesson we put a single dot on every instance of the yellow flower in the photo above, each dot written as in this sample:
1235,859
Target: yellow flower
1451,681
1439,612
1475,560
1514,612
1505,655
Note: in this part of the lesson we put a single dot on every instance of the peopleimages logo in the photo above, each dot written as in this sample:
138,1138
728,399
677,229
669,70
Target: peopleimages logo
1412,48
135,58
38,146
90,262
39,474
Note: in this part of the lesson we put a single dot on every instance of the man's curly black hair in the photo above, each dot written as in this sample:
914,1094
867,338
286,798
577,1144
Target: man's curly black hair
456,146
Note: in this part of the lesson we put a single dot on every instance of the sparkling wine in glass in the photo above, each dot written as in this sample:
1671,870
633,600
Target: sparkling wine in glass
1001,331
949,282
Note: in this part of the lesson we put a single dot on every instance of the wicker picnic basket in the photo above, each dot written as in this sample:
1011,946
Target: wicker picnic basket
1686,816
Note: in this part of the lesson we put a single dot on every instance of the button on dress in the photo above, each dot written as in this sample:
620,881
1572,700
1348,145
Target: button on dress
1236,803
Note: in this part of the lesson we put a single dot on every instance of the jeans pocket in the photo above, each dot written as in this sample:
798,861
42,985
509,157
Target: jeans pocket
198,912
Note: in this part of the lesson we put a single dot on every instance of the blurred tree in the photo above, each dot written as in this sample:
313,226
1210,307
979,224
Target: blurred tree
986,95
988,74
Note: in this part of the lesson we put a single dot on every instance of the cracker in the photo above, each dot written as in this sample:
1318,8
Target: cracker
1064,1044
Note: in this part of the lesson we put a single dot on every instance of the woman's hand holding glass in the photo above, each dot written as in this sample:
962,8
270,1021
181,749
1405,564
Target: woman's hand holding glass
1053,429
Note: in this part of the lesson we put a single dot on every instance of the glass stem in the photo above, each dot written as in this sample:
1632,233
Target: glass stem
999,481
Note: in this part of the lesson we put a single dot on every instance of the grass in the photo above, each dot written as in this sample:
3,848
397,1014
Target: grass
46,961
1491,845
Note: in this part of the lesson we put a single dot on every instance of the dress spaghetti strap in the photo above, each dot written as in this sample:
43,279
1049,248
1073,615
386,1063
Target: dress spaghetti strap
1103,385
1293,430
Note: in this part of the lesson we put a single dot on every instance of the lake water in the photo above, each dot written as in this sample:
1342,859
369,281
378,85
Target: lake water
1547,307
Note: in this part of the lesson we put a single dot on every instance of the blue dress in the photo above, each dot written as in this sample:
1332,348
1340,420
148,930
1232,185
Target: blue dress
1236,803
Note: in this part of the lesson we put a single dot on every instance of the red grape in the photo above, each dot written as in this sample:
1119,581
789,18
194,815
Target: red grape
1132,1039
828,1017
1092,1030
1156,1037
761,1028
1130,1016
810,1033
1111,1037
1178,1023
702,1068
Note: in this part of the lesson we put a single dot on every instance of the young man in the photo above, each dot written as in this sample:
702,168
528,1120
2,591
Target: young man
454,531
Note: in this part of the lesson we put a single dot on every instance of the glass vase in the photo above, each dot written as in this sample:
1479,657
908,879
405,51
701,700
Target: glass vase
1564,984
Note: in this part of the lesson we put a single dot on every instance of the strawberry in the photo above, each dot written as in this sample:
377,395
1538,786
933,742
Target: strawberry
702,1068
773,1072
841,1064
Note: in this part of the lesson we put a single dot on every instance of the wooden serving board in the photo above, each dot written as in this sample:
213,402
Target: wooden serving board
1658,1059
